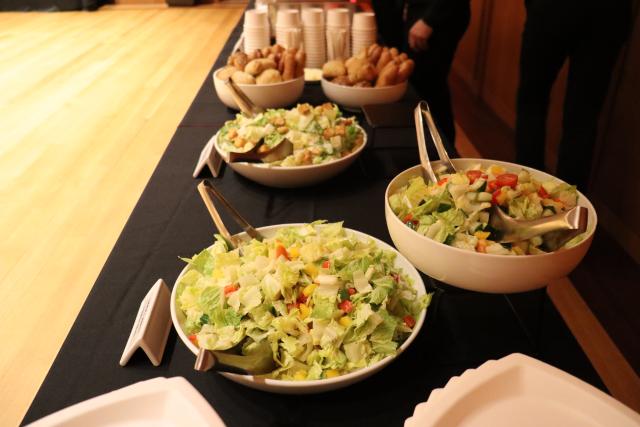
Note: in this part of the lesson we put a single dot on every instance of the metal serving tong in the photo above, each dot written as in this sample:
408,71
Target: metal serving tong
558,229
260,360
260,152
207,190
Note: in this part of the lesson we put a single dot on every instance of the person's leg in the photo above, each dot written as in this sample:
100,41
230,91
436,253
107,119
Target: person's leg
544,50
590,67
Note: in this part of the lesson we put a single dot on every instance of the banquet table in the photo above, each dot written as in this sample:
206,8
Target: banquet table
463,329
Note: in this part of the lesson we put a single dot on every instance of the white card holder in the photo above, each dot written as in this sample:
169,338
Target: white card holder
209,157
152,325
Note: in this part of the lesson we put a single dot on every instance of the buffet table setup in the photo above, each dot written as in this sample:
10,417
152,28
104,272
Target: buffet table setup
462,329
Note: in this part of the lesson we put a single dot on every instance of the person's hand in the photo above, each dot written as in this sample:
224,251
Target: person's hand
419,35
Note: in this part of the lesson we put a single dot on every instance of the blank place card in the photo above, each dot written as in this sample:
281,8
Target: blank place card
209,157
151,328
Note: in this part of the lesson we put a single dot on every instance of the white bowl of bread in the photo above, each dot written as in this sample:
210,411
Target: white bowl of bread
376,75
272,77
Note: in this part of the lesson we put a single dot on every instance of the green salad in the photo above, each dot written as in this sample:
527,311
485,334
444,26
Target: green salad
455,210
327,301
318,134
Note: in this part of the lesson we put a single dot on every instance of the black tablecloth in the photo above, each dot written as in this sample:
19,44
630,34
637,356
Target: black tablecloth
463,329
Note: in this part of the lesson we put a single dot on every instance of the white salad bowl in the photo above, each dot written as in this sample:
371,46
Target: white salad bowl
479,271
355,97
292,176
273,95
309,386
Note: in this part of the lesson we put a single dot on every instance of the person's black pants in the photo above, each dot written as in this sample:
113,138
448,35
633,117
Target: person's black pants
588,33
430,77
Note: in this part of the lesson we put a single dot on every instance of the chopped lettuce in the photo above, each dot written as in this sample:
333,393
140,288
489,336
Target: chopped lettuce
456,209
334,303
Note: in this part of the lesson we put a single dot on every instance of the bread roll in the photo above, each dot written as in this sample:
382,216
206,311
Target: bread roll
269,76
366,72
254,67
342,80
240,77
353,67
301,60
240,60
385,58
289,66
405,70
226,72
388,75
333,68
374,54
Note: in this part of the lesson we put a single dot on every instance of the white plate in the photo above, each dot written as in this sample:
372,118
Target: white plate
159,402
311,386
518,390
292,176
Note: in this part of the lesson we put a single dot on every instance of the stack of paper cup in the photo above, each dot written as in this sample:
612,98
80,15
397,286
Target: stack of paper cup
338,33
288,28
363,31
313,36
256,30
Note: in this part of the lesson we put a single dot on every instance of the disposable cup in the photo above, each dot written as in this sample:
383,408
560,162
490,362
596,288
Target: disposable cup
289,38
364,20
256,18
313,17
338,17
288,18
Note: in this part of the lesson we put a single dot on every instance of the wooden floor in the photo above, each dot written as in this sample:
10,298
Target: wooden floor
88,103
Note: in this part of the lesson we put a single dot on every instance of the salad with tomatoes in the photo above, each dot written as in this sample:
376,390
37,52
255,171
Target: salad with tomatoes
327,302
456,209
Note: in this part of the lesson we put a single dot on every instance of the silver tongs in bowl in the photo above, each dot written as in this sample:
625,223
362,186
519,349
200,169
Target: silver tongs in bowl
558,229
260,360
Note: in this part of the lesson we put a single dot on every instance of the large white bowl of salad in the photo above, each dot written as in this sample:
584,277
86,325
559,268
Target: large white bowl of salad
443,228
324,144
336,305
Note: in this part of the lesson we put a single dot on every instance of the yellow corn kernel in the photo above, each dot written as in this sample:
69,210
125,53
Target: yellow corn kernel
482,235
496,170
308,290
304,311
217,273
345,321
300,375
311,270
331,373
294,252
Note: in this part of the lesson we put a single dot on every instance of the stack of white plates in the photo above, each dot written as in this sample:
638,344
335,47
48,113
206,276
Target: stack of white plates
313,35
338,33
363,31
518,390
289,28
256,30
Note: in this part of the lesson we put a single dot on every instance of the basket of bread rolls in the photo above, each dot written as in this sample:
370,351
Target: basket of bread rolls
376,75
272,77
